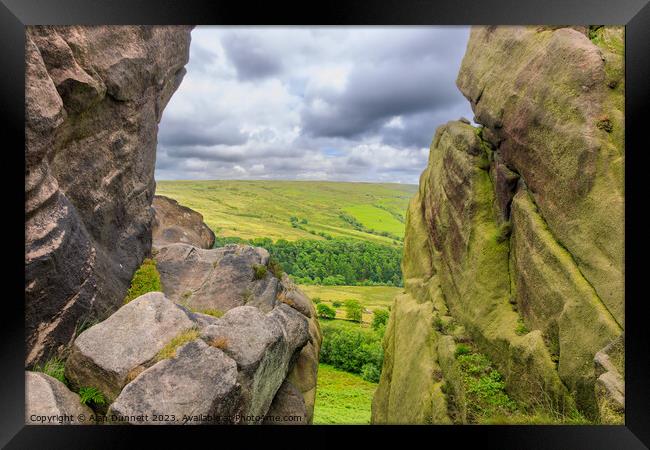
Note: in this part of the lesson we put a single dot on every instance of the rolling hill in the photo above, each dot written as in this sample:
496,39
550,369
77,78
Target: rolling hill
252,209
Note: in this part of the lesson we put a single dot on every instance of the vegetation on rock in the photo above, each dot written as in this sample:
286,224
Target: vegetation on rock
91,396
54,367
145,279
169,350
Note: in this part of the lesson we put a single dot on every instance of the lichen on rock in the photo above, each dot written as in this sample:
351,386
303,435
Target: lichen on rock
516,232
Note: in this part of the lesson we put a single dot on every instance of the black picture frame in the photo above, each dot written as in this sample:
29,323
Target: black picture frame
634,14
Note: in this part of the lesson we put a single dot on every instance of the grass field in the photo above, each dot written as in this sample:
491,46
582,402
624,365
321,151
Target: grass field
370,297
342,398
251,209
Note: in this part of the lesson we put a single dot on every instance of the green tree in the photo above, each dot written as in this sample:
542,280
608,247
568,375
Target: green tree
325,312
353,310
379,318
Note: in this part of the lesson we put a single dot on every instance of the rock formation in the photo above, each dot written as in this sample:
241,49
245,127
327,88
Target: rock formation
229,339
93,100
173,223
231,348
50,402
516,234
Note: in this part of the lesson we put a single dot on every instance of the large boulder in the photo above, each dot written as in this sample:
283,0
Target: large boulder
197,386
139,360
263,347
50,402
288,407
217,279
304,374
174,222
93,100
106,355
516,232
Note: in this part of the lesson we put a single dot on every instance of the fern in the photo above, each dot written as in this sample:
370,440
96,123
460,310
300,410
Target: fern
91,395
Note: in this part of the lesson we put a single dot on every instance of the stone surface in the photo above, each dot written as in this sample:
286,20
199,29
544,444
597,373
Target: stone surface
304,374
220,278
288,407
197,386
519,222
104,355
93,100
263,347
50,402
545,93
609,364
174,222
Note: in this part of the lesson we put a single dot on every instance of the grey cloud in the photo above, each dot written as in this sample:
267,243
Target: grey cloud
256,105
375,94
183,133
249,56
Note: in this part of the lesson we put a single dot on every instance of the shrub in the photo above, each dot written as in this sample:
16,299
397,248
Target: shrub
259,271
438,324
484,387
54,367
316,300
461,349
352,350
337,304
145,279
370,372
325,312
353,310
379,318
275,268
91,396
521,328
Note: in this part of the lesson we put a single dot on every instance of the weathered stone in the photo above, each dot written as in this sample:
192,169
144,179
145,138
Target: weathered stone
221,278
50,402
288,407
174,222
197,386
469,276
554,297
407,391
104,355
610,386
263,347
93,100
544,92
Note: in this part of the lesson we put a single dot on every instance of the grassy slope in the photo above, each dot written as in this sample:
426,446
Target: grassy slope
251,209
342,398
371,297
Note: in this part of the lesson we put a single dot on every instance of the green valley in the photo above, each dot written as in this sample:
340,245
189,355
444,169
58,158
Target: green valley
254,209
342,243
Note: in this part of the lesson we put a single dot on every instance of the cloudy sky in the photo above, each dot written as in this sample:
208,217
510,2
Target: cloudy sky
327,103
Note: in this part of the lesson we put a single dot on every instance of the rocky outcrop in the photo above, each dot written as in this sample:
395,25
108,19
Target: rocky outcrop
174,222
228,277
106,355
49,402
197,358
516,233
217,279
93,100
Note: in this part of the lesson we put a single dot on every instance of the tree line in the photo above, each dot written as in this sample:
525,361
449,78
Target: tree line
333,262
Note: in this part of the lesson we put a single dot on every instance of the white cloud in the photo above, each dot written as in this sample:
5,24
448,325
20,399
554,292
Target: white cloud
331,103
